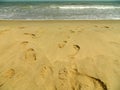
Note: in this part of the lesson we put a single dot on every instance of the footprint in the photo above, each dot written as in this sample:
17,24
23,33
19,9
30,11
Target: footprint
30,34
96,26
30,55
45,71
62,80
6,76
62,74
106,27
65,41
21,27
24,43
71,31
4,31
62,44
1,84
9,74
76,48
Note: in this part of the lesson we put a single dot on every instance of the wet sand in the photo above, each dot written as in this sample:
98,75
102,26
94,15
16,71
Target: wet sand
59,55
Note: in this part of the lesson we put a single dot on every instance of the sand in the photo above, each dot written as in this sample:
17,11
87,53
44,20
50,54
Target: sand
59,55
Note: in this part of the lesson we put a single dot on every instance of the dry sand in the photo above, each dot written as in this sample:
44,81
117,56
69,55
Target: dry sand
59,55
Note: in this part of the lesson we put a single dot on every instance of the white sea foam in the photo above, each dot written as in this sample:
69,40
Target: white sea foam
87,7
58,11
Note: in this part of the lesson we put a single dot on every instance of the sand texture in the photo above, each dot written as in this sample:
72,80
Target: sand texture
59,55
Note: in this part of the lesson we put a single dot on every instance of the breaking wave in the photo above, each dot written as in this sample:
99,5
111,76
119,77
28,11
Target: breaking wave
56,11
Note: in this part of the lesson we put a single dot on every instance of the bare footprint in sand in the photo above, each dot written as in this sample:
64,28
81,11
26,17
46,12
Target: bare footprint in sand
6,76
30,55
24,43
62,74
106,27
62,44
45,71
71,31
77,49
30,34
4,31
10,73
22,27
95,26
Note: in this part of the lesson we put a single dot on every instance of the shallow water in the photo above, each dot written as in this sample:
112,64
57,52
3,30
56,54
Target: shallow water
60,10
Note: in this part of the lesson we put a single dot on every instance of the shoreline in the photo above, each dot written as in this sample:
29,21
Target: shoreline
60,20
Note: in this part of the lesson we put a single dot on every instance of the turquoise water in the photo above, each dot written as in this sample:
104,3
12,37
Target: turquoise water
60,10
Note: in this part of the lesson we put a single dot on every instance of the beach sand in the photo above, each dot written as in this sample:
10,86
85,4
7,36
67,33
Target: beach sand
59,55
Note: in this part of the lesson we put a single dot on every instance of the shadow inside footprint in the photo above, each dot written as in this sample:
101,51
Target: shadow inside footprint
30,34
101,83
106,27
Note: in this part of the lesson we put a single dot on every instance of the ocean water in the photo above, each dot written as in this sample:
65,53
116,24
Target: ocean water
60,10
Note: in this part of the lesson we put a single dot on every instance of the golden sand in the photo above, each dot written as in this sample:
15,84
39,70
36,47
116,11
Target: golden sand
59,55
